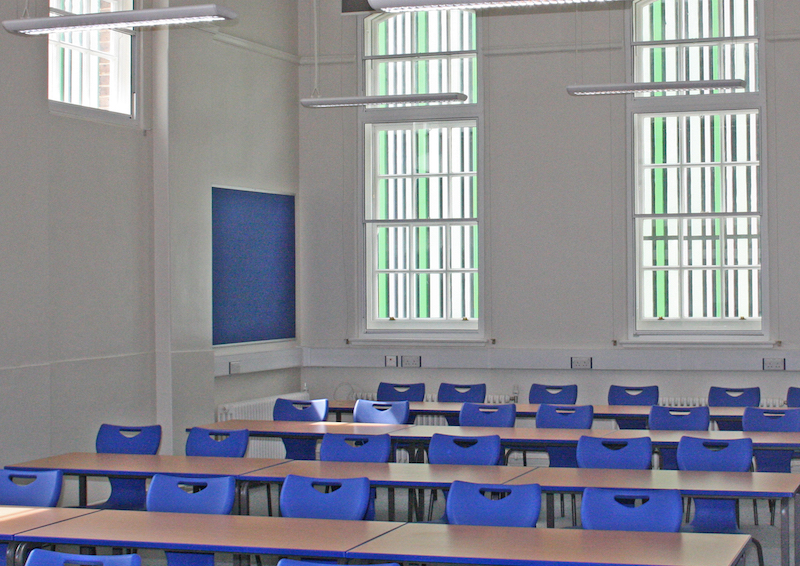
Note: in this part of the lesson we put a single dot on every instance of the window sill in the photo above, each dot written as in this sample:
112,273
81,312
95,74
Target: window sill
93,115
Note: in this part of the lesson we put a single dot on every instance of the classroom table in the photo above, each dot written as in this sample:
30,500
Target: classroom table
515,546
84,464
302,429
529,410
414,477
237,534
758,485
16,519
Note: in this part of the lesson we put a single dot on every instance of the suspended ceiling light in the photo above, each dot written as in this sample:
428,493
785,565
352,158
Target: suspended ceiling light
123,19
417,5
385,99
634,88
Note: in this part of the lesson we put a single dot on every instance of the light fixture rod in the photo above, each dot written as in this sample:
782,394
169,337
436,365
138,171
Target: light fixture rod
385,99
417,5
633,88
122,19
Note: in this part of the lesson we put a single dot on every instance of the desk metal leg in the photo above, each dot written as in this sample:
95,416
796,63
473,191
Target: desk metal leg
242,503
83,498
550,505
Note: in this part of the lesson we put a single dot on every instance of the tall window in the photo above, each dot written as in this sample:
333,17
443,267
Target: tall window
697,189
92,69
422,197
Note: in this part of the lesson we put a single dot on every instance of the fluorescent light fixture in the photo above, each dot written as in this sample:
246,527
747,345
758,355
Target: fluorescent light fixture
123,19
385,99
634,88
416,5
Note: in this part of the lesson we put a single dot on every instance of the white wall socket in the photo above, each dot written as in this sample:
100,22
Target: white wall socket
774,364
411,361
390,361
581,363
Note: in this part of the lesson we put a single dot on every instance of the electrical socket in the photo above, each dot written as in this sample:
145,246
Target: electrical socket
411,361
580,363
774,364
390,361
234,367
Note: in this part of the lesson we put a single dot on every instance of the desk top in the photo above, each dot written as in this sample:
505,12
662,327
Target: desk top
300,428
426,542
405,475
530,409
138,465
507,434
14,519
723,484
212,533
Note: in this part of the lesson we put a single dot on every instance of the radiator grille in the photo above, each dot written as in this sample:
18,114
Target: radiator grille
258,409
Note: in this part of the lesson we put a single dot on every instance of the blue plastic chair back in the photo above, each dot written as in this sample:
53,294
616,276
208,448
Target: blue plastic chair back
493,505
733,397
465,450
401,391
793,397
553,394
220,443
300,410
772,420
676,418
317,498
211,495
41,557
715,515
621,395
383,412
43,491
473,414
355,448
620,454
456,393
656,510
127,493
561,416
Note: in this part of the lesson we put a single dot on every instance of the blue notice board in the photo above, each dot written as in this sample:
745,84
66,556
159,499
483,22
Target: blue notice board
253,264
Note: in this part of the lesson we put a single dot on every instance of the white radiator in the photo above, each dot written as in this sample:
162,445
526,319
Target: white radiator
769,402
261,410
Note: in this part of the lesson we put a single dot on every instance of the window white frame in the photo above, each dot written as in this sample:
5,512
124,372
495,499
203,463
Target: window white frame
370,328
751,99
122,53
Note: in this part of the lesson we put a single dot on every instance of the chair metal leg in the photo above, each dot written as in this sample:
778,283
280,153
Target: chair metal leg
755,512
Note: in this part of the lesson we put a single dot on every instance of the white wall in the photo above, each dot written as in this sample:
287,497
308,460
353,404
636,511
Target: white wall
556,211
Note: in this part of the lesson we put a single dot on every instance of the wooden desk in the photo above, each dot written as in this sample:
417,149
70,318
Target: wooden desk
513,546
300,429
84,464
238,534
760,485
15,520
409,476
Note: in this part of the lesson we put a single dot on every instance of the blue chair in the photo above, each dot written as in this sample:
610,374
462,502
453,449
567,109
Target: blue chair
793,397
318,498
656,510
454,393
401,391
553,394
733,397
772,420
176,494
463,451
493,505
473,414
40,557
619,454
127,493
300,410
676,418
220,443
392,412
621,395
564,416
40,489
717,515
